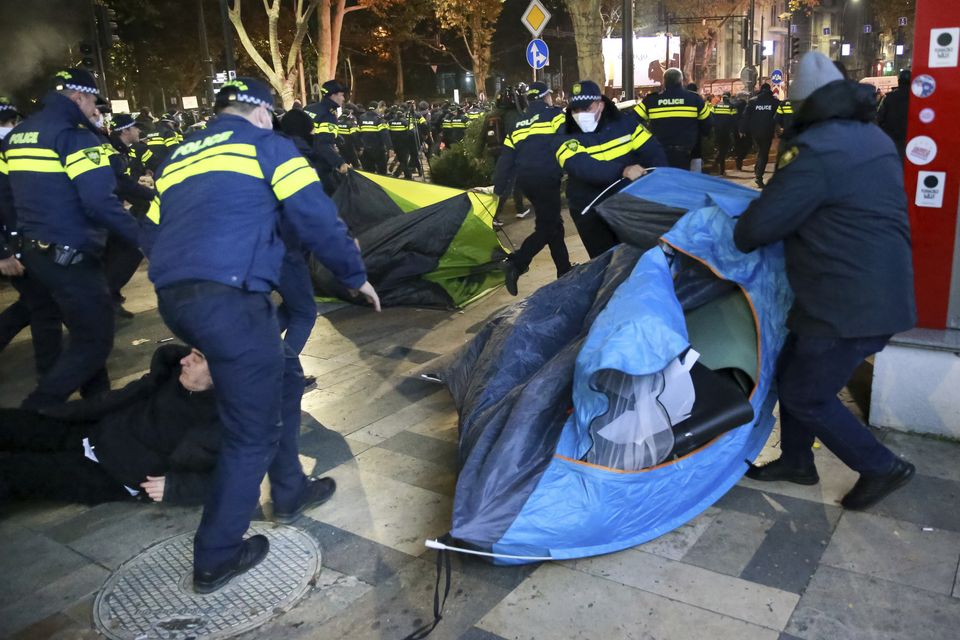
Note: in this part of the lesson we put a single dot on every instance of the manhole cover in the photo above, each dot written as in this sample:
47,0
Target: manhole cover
150,596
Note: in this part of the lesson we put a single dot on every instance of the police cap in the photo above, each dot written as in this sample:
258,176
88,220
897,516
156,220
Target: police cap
331,87
248,91
583,92
123,121
76,80
374,104
7,110
538,90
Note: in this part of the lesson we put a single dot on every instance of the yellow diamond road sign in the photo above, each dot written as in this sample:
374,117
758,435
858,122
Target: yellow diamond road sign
535,18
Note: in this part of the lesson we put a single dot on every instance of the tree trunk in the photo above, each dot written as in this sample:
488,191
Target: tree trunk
398,60
323,42
587,34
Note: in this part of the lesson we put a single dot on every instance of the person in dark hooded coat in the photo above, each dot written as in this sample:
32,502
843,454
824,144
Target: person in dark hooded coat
837,202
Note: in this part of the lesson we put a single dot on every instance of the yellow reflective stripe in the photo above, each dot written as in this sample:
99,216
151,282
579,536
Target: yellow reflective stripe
153,213
538,128
146,155
368,128
564,153
232,164
171,142
35,165
641,110
247,150
78,163
508,142
3,166
287,168
558,121
677,107
381,127
325,127
32,152
293,182
658,115
704,113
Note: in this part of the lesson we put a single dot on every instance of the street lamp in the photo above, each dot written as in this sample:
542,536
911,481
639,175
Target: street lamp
843,10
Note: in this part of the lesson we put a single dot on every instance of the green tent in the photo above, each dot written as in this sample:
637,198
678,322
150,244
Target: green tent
424,245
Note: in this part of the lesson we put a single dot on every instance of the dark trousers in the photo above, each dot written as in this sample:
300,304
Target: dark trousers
298,313
811,372
259,387
79,294
678,156
596,235
43,318
763,155
518,196
724,141
45,461
742,146
374,160
120,262
547,228
405,158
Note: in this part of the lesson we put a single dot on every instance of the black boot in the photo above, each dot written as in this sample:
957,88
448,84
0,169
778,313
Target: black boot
253,550
511,273
870,490
779,470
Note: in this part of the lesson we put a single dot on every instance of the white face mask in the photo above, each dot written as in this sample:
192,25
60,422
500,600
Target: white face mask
98,123
4,131
339,111
587,121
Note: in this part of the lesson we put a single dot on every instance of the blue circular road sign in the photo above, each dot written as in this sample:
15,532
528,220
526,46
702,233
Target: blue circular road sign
537,54
776,77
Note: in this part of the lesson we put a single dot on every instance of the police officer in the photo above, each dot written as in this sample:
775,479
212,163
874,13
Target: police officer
758,122
348,139
325,132
401,127
217,252
526,157
602,145
62,188
121,258
837,203
742,144
162,140
678,118
375,139
724,129
454,126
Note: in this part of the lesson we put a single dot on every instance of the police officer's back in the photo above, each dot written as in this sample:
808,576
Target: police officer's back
758,123
677,117
724,127
325,132
375,140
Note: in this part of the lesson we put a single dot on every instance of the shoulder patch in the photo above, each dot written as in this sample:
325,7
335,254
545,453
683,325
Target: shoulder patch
576,89
788,156
572,145
93,155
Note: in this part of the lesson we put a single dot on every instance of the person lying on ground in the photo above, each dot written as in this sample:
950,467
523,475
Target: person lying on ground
157,439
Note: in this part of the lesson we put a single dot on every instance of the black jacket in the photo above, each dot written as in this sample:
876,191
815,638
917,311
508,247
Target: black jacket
153,426
759,114
892,117
837,202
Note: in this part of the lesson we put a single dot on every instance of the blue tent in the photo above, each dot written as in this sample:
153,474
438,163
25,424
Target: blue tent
530,384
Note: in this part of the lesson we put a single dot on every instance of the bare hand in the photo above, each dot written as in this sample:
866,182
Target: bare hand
633,172
368,292
11,267
146,181
154,487
344,168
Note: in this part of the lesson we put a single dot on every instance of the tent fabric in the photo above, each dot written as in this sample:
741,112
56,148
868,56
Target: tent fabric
423,245
526,386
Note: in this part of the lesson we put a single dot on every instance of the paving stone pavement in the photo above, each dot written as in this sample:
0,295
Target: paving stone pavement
768,561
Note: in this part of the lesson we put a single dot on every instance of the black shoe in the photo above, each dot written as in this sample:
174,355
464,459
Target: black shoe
779,470
869,490
511,275
309,382
253,550
317,491
759,182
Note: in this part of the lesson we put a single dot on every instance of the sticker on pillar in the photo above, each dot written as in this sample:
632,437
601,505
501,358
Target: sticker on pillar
944,46
921,150
930,188
923,86
927,115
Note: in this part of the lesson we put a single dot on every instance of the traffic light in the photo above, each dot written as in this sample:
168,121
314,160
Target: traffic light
745,36
106,26
794,47
87,60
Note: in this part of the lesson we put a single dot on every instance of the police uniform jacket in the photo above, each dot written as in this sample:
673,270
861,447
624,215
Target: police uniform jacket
348,138
594,161
784,115
127,169
453,127
224,195
374,134
161,142
725,118
759,114
57,182
677,117
837,202
400,127
325,132
530,147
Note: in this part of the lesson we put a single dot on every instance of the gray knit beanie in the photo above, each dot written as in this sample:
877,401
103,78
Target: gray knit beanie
814,71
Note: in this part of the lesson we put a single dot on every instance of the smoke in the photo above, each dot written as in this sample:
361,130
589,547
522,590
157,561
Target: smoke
38,34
